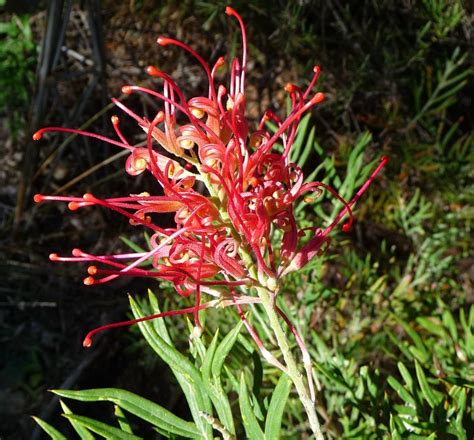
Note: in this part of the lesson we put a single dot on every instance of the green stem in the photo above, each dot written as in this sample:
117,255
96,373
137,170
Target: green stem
293,372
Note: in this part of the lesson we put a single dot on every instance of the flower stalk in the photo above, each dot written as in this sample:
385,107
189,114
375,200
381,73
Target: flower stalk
268,302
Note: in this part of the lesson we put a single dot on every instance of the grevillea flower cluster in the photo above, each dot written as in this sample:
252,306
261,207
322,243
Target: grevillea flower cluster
224,242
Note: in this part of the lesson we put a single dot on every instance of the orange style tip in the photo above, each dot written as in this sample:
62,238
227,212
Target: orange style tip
76,252
37,136
384,159
163,41
127,90
346,227
88,197
38,198
115,120
290,88
318,98
160,117
220,62
89,281
229,10
316,69
87,343
92,270
152,71
73,206
53,257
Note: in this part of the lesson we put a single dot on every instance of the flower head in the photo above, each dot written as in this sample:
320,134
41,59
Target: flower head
224,236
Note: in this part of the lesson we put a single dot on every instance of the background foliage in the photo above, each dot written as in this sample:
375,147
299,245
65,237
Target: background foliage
387,313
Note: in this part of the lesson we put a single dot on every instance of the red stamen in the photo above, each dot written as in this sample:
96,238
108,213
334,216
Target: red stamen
88,339
152,71
83,133
231,12
89,281
164,41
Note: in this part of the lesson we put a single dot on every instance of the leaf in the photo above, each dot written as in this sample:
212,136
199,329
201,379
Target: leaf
137,405
133,246
459,381
334,374
224,349
371,386
165,350
420,353
101,428
277,407
83,432
187,375
407,377
50,430
211,370
122,420
432,325
213,383
430,395
401,391
449,322
207,362
251,425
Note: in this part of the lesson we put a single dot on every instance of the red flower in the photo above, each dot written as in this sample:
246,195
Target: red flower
222,241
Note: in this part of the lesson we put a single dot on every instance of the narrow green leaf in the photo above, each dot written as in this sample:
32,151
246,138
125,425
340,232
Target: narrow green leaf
295,151
459,381
224,349
426,390
212,368
449,322
122,420
333,373
418,354
432,325
461,408
166,351
50,430
309,147
134,404
401,391
277,407
421,349
135,247
158,324
402,345
214,386
102,429
208,359
251,425
188,376
407,377
81,431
